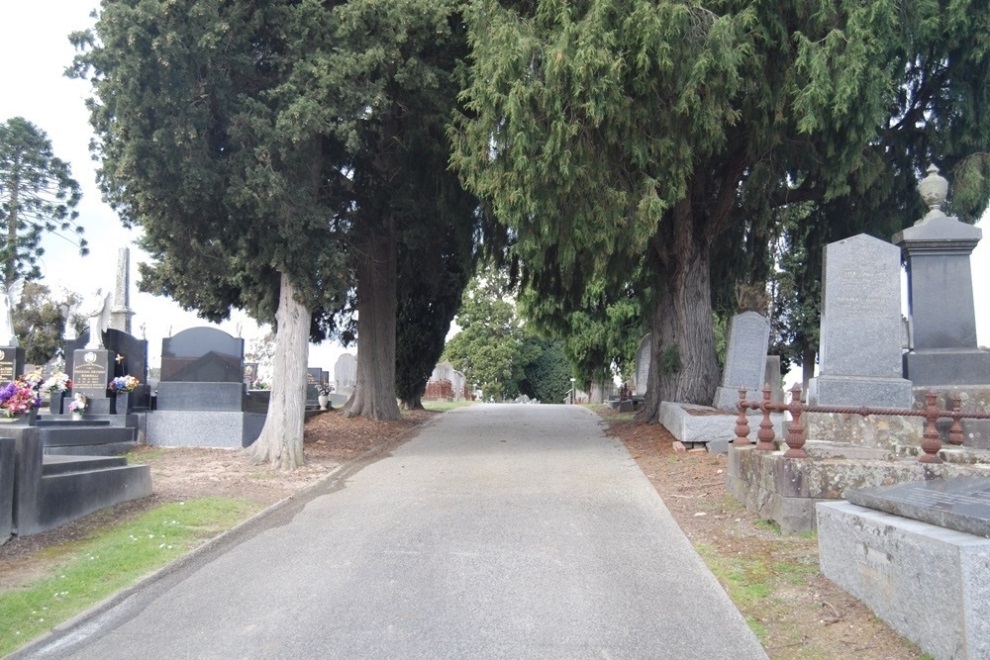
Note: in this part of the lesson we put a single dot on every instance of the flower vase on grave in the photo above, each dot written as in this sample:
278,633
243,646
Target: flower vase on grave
77,415
323,400
122,403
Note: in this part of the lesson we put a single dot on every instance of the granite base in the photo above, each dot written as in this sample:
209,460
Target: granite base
200,397
930,584
948,367
859,391
189,428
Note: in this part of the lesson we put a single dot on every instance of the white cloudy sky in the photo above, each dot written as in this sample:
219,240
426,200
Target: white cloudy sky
34,50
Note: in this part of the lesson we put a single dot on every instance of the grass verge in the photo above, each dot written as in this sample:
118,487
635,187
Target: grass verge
444,406
95,568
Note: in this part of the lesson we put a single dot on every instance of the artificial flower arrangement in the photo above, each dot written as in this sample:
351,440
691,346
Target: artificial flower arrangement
57,383
124,384
79,403
18,397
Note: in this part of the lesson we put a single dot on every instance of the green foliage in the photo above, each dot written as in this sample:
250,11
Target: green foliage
547,372
37,195
39,323
96,568
489,348
618,135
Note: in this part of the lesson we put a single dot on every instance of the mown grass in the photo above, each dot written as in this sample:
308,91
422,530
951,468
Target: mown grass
444,406
93,569
752,583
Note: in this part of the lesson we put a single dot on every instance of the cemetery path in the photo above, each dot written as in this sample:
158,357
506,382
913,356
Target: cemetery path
499,531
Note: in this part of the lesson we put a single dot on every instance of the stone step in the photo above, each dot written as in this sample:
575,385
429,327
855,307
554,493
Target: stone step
64,464
85,435
58,422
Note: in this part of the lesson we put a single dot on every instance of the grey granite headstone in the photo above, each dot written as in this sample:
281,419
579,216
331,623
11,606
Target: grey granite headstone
745,359
959,503
644,354
860,337
203,355
345,373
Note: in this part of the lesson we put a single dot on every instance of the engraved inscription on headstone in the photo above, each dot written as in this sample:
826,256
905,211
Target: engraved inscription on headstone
91,372
960,503
860,346
745,359
8,364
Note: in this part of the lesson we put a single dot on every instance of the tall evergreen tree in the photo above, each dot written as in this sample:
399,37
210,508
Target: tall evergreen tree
37,196
275,155
614,133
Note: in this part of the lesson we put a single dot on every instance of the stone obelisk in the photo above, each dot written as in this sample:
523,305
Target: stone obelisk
120,309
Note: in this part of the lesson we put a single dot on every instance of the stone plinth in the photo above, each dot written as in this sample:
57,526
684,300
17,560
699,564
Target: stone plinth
188,428
881,431
715,429
221,397
6,488
930,584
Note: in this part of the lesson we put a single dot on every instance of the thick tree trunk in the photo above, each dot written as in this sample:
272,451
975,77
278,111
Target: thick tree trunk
281,439
684,366
374,395
414,403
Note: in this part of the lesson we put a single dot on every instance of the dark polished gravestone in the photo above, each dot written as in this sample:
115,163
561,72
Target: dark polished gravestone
959,503
130,358
202,369
202,355
11,363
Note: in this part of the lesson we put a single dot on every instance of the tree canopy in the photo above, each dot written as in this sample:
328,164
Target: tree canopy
611,135
37,196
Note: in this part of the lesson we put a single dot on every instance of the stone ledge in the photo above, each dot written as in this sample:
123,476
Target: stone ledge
785,490
930,584
693,424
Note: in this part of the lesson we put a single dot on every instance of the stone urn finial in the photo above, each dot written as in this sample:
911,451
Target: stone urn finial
933,189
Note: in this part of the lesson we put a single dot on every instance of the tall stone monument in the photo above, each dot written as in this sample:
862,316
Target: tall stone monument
860,343
936,250
745,359
120,309
644,356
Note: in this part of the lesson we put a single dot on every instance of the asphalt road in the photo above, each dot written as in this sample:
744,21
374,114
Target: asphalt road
500,531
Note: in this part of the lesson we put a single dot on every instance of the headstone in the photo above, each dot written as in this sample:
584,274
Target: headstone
11,363
745,359
345,374
92,370
202,369
644,355
313,375
959,503
202,355
120,309
860,337
772,377
458,382
940,296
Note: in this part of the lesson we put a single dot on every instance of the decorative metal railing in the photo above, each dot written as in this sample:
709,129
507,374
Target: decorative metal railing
930,443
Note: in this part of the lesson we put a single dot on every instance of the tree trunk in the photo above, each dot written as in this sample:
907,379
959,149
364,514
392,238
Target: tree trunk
374,395
281,439
413,403
684,366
